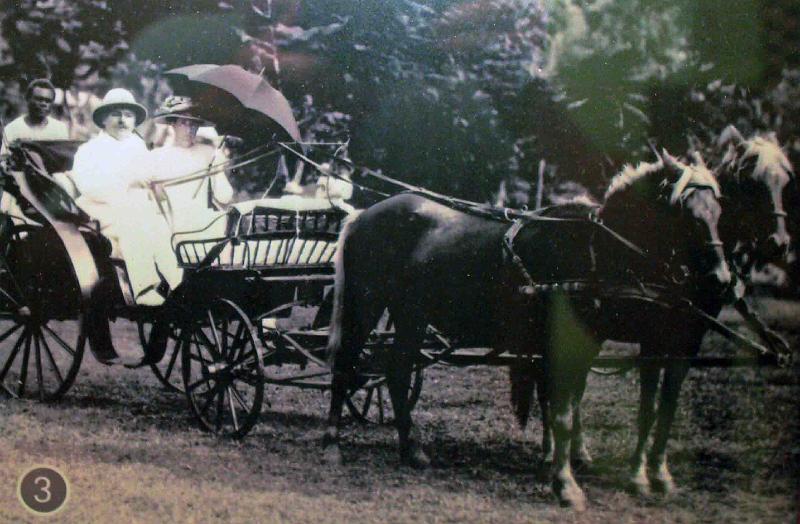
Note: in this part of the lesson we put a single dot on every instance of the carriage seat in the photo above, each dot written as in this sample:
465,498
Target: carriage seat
291,231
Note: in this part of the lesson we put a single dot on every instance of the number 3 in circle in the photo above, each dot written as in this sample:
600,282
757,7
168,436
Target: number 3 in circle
43,490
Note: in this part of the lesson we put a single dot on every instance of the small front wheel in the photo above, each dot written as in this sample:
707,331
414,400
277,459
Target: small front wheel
369,401
164,338
222,369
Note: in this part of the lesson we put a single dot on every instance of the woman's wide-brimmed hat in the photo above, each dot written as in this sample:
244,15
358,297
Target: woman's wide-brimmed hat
118,98
179,107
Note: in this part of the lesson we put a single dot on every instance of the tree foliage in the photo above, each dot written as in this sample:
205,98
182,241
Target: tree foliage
455,95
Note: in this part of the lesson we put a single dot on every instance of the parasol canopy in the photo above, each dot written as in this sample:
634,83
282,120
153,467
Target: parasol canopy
239,102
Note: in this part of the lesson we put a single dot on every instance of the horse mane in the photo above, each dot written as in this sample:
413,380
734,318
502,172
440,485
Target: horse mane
631,175
694,174
771,160
691,175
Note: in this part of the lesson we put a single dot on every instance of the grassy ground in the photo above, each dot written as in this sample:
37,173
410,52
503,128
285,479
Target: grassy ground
132,453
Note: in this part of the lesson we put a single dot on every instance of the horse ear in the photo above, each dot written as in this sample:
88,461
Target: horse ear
698,158
670,161
655,152
730,135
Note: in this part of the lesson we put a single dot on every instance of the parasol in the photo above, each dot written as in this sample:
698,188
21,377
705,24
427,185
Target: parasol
237,101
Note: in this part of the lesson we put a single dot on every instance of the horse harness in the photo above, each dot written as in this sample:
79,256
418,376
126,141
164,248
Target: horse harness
531,287
664,296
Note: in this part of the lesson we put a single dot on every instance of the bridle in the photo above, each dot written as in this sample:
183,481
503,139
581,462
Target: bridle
715,248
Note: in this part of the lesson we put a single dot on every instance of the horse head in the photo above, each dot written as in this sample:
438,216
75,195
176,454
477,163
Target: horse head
695,192
754,175
677,211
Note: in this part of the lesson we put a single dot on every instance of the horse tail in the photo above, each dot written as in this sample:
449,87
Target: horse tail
339,297
523,384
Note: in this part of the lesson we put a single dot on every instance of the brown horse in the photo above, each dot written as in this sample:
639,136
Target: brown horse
752,175
431,264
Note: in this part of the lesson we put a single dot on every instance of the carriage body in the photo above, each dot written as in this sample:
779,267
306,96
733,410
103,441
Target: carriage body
56,268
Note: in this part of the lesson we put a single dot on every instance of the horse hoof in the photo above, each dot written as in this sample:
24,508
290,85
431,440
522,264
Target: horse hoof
572,498
664,485
332,456
639,485
569,494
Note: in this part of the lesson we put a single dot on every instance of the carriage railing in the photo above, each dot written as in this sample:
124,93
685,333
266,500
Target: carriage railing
270,239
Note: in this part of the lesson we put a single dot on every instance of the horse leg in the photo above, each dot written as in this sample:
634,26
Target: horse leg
674,376
579,454
542,388
398,378
648,376
331,452
354,333
561,403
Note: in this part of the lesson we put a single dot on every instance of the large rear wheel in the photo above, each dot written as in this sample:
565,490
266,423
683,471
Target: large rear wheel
222,370
39,355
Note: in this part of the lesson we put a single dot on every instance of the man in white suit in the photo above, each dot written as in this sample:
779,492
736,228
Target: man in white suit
109,173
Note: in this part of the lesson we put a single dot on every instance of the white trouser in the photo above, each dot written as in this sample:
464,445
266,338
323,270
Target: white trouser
143,238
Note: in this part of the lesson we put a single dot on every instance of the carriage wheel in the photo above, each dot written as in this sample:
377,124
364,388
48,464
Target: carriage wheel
370,402
39,356
222,370
168,370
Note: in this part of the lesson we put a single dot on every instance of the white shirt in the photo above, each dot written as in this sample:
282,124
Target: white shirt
104,168
18,129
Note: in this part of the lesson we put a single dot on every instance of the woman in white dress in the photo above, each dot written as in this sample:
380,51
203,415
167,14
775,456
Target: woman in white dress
196,186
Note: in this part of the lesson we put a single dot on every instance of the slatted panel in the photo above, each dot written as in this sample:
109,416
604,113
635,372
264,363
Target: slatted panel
269,238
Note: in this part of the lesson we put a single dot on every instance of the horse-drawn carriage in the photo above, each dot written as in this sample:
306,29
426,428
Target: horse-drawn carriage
252,299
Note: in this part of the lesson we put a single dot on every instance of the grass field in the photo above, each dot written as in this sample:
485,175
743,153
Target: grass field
132,453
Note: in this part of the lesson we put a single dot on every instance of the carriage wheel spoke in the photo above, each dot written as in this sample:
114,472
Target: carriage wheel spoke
59,340
367,402
39,376
199,358
23,376
172,359
233,409
9,297
13,355
235,346
200,346
194,385
250,380
239,398
212,348
223,340
220,407
51,359
380,405
245,358
8,391
210,395
10,332
214,332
